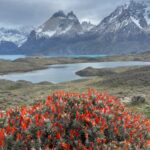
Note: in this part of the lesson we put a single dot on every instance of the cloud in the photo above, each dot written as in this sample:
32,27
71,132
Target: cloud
35,12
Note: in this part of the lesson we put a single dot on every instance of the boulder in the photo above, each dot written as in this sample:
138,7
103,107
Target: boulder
138,99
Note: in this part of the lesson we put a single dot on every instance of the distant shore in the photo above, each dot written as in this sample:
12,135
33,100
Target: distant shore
121,82
41,62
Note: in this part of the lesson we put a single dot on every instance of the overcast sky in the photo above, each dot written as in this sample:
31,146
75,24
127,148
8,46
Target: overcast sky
35,12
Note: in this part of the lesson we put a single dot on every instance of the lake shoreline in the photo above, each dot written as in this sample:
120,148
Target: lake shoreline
126,83
68,71
39,63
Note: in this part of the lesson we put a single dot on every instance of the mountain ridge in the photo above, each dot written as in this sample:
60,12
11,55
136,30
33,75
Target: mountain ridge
126,29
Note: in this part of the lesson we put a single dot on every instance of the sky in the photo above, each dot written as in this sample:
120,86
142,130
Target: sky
16,13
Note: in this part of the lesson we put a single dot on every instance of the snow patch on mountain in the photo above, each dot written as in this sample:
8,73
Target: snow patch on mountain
59,24
136,21
46,34
12,35
66,30
133,13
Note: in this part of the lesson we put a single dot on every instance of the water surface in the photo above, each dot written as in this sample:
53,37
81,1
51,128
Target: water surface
66,72
11,57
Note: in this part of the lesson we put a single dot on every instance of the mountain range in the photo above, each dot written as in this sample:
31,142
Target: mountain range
125,30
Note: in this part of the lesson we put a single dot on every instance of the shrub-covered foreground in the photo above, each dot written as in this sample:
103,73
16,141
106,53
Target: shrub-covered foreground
80,121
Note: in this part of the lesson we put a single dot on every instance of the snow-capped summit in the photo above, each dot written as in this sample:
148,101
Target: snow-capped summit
136,14
60,24
13,35
125,30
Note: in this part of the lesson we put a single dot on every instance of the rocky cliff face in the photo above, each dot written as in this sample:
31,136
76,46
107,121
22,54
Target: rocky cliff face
125,30
60,24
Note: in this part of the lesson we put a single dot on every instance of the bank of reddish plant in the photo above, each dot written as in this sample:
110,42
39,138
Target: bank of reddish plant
80,121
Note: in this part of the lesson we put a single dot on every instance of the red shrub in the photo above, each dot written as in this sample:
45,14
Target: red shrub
90,120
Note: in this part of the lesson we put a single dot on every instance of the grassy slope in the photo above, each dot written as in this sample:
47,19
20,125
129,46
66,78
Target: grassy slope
124,82
120,82
14,93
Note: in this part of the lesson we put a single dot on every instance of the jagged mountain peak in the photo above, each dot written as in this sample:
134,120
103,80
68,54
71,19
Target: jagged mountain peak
125,30
135,4
139,11
60,24
72,16
135,13
60,13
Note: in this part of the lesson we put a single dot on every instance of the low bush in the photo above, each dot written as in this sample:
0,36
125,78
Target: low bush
80,121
